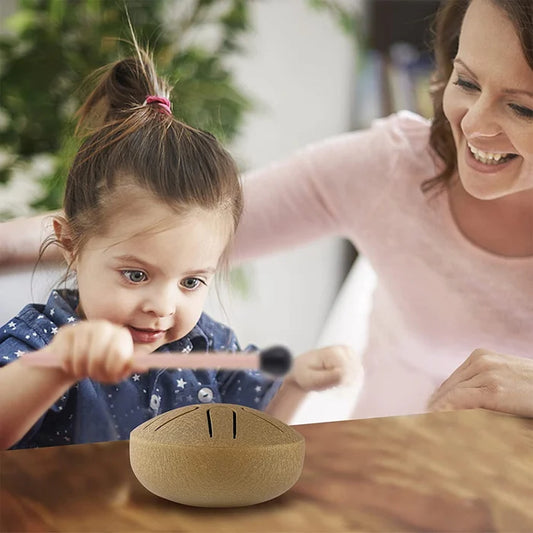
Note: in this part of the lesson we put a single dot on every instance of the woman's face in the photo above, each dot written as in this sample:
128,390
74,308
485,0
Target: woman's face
489,103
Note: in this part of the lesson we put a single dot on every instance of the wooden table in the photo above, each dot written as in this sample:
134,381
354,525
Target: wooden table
454,471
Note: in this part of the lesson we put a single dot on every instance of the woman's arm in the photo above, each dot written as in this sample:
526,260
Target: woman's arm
21,238
327,188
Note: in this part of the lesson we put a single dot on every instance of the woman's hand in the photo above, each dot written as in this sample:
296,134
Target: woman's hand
96,349
489,380
323,368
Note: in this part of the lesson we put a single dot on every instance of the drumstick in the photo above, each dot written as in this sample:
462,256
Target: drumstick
276,360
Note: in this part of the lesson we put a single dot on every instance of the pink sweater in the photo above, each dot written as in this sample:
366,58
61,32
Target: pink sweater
438,296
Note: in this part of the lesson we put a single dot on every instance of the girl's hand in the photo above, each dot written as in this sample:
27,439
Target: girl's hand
323,368
491,381
96,349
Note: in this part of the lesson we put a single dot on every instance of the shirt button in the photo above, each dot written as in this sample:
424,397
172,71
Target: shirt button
205,395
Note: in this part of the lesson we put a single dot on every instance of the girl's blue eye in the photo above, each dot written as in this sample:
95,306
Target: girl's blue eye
464,84
522,111
135,276
191,283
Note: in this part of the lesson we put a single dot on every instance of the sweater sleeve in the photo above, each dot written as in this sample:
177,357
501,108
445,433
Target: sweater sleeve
327,188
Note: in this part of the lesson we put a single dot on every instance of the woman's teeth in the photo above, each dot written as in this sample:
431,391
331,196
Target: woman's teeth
489,158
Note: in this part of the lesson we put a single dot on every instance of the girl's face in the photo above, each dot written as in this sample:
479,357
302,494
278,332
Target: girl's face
489,104
151,270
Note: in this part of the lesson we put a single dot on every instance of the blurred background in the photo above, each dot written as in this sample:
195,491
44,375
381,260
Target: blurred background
266,76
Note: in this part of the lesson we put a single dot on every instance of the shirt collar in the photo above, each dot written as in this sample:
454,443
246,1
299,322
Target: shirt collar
61,307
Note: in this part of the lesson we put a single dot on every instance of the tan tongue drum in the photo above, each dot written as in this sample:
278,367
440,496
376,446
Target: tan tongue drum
219,455
216,455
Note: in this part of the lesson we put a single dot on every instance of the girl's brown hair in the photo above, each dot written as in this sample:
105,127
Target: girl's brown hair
447,28
128,141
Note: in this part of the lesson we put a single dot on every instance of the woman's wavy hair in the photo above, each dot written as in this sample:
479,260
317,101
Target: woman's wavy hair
446,30
129,140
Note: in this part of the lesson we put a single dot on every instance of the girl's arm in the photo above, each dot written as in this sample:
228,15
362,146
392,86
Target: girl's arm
91,348
315,370
21,238
286,401
25,395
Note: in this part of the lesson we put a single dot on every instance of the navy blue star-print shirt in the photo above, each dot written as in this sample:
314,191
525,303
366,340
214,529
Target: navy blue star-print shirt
91,412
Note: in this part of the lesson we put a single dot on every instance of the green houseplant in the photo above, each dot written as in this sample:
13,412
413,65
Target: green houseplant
53,45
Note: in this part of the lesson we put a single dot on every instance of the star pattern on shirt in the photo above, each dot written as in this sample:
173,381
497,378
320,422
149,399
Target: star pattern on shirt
181,383
71,319
136,377
18,353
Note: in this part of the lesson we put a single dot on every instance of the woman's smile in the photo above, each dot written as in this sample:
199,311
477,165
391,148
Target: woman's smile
488,162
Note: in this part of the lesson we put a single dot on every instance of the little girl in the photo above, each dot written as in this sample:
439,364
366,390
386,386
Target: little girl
150,208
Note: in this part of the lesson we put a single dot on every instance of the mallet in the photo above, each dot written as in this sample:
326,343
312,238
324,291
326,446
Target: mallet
276,360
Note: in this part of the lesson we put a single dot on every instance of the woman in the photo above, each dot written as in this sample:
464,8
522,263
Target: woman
443,211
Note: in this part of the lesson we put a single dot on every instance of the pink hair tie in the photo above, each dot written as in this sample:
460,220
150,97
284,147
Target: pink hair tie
164,103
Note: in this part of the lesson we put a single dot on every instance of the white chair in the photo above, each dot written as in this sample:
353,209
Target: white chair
346,324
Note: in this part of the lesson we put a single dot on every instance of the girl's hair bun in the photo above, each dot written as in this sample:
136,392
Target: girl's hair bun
121,89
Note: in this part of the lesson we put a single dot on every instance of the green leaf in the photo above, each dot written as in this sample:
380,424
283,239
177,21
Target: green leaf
21,21
57,11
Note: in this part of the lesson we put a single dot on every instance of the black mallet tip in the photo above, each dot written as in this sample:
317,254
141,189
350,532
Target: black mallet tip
276,361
